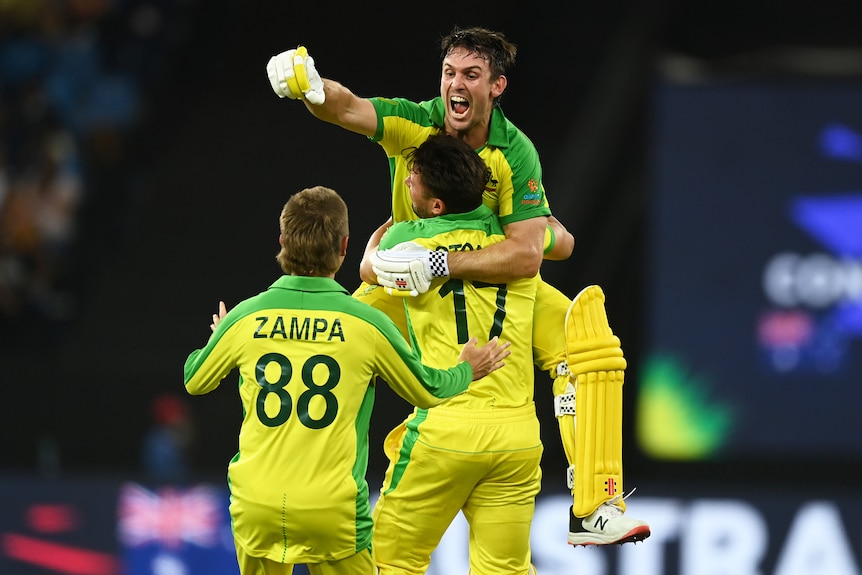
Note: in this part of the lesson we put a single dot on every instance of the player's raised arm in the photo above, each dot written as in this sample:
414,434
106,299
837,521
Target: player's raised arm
293,74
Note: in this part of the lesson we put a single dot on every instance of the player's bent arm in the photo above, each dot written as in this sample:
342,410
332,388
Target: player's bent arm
518,256
366,273
205,368
563,241
425,386
344,108
416,383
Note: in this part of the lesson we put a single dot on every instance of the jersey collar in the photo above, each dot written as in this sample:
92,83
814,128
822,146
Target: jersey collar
308,284
479,213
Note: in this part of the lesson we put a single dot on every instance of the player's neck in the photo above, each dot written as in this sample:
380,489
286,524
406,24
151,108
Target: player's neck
476,138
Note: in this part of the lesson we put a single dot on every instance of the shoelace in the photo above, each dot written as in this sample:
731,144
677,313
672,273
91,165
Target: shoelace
612,506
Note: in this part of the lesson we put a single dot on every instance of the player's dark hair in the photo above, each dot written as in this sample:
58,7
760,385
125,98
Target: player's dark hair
313,224
451,170
492,46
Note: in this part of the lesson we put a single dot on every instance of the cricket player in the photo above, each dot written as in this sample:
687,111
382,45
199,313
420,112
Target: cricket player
572,340
308,355
480,452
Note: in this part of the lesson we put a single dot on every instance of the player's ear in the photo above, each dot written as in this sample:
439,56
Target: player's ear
498,86
438,207
344,246
281,240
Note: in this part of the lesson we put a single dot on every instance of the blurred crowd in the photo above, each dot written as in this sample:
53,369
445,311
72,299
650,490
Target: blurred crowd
75,76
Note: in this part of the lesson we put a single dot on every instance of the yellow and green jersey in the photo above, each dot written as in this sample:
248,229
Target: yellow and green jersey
514,192
307,354
453,310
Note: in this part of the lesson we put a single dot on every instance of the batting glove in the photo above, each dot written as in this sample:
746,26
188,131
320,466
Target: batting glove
292,75
408,268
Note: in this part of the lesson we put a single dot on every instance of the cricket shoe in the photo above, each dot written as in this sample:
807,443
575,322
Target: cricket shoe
607,525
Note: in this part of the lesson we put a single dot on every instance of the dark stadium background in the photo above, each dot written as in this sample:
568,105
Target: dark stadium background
184,213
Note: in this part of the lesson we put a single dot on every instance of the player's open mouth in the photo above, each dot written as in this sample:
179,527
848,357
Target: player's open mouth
458,104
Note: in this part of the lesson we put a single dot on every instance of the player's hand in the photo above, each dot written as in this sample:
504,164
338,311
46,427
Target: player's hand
487,358
409,268
292,75
217,317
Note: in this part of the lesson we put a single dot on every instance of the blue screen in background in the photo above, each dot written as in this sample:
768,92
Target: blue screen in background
754,275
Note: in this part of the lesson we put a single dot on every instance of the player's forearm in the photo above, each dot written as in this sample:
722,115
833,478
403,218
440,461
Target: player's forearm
518,256
499,263
366,273
337,97
344,108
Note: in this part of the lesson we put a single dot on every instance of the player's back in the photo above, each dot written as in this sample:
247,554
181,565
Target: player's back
453,310
307,354
305,362
446,317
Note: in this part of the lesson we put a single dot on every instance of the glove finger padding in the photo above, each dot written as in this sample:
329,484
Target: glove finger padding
412,282
299,69
315,94
292,75
409,276
281,75
409,267
272,74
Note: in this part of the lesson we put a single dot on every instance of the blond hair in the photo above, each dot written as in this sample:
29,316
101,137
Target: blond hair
313,225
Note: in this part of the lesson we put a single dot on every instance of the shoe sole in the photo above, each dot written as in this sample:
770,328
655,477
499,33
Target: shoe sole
586,539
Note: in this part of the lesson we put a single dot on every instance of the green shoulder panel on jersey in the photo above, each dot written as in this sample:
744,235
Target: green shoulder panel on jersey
389,350
406,113
274,297
482,219
521,165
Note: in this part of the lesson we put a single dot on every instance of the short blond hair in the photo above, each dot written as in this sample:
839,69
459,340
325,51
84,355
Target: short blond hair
313,225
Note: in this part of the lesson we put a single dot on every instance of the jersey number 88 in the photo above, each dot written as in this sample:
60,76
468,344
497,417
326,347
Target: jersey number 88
302,403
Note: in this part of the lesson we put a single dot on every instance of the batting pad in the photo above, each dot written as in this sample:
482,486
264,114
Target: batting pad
597,366
564,409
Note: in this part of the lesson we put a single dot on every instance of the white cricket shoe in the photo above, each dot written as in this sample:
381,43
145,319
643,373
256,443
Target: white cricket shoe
607,525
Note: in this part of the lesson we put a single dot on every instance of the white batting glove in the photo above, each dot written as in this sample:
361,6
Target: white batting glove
292,75
408,268
281,76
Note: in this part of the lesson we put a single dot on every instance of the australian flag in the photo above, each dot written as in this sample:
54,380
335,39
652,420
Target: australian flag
175,531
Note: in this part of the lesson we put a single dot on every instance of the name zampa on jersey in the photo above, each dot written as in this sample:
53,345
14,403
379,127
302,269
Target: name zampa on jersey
300,328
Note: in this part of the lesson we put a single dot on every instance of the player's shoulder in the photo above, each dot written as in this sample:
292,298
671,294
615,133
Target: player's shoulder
405,107
510,141
520,143
357,306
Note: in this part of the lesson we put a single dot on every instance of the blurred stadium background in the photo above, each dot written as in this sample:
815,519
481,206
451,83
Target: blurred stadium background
708,159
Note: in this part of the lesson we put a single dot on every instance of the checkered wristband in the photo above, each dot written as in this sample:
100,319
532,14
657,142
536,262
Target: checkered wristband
438,262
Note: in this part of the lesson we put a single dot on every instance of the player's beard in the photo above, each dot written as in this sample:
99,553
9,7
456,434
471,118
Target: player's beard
419,212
